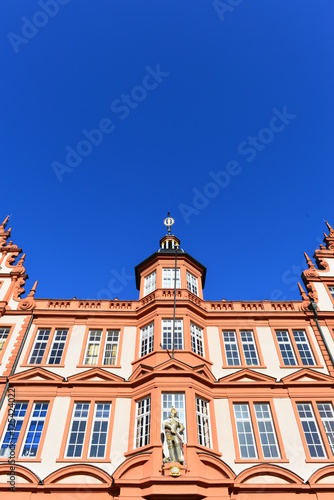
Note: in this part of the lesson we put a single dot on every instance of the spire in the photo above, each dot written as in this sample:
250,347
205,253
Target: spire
169,242
309,262
4,224
331,230
302,292
169,221
33,290
20,262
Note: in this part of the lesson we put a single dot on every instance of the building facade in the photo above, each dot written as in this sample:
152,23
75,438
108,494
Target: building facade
170,395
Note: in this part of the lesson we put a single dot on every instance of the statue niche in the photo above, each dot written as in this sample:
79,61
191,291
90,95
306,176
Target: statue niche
173,428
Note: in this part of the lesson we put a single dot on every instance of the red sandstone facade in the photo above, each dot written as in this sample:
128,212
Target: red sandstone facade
90,384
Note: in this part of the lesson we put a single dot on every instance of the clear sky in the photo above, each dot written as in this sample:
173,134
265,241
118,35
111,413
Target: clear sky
115,112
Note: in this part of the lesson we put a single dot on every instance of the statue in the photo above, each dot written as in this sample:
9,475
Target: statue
173,428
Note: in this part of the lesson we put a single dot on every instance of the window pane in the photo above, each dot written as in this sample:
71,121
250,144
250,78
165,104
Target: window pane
167,334
93,347
192,283
245,431
196,339
110,351
249,348
78,430
285,346
143,419
146,339
327,418
178,401
303,347
4,332
311,430
13,429
203,422
331,290
98,441
39,346
150,283
35,430
266,431
231,349
58,346
168,278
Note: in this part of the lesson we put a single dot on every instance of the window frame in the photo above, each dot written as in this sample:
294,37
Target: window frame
151,285
177,407
295,349
256,433
196,339
325,442
48,348
164,346
88,431
240,347
149,336
200,416
172,278
136,420
6,342
192,278
102,347
25,427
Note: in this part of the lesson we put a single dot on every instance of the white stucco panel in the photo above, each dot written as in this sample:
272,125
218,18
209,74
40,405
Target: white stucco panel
325,303
120,431
215,352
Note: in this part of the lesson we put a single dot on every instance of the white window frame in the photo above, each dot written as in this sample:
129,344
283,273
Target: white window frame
249,344
285,346
150,282
36,359
168,276
167,334
311,431
113,342
242,422
61,341
331,290
13,428
178,400
146,339
197,342
4,332
304,348
327,419
94,343
33,429
99,421
203,422
231,348
267,432
143,422
192,283
85,407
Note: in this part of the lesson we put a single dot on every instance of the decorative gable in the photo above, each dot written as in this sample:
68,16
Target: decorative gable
249,377
36,375
307,376
94,375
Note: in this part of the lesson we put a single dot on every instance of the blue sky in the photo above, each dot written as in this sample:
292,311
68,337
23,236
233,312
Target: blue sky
115,112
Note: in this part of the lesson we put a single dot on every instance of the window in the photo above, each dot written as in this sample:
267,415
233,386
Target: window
317,421
331,291
240,348
168,276
167,334
31,428
106,356
48,347
196,339
4,332
295,349
255,430
78,440
146,339
143,421
192,283
150,283
178,401
203,422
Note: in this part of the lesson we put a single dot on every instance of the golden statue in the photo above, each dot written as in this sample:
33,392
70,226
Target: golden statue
173,428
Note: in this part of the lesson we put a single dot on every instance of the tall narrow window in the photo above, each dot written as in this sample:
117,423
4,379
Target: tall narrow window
331,290
35,430
146,339
57,347
14,427
93,347
327,419
196,339
266,431
245,431
111,346
4,332
203,422
303,347
39,347
98,440
78,430
143,421
177,400
231,349
150,283
192,283
168,276
311,431
249,348
285,346
167,334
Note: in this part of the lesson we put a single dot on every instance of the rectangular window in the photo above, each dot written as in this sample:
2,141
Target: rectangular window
110,350
150,283
331,290
327,419
168,276
231,349
78,430
249,348
14,427
146,339
196,339
57,347
143,422
39,347
192,283
203,422
178,401
35,429
98,440
93,347
4,332
167,334
256,432
295,349
311,430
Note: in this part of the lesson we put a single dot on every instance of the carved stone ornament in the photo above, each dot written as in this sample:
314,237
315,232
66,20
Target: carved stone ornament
173,430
